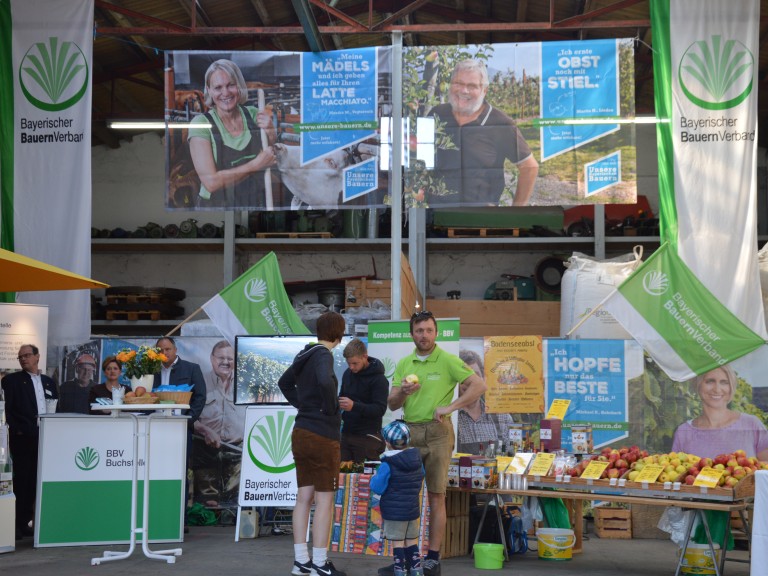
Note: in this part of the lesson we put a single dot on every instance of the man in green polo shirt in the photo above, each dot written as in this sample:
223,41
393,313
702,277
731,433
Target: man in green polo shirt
427,401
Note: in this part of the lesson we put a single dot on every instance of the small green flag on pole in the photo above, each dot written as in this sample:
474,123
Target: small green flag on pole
684,328
255,303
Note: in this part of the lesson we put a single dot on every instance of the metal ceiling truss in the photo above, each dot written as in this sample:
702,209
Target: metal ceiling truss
353,25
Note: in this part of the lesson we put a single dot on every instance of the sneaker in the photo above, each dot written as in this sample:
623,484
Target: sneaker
300,569
386,570
431,567
327,569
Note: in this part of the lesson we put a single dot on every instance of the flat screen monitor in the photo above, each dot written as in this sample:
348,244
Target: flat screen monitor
261,360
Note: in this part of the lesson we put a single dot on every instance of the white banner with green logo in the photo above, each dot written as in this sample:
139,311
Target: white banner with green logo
85,472
268,472
684,328
255,304
706,81
45,148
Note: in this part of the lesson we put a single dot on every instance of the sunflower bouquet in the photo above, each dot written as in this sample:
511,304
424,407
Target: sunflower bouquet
138,363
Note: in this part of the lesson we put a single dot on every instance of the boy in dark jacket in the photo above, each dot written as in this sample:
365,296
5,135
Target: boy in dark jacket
398,480
363,397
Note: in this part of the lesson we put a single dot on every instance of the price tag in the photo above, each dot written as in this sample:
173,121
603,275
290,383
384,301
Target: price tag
502,463
708,477
542,463
594,470
649,473
558,408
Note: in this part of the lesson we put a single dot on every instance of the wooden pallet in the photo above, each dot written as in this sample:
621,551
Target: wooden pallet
138,299
483,232
294,235
134,315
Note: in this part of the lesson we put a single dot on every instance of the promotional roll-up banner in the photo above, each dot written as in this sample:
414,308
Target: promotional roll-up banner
268,472
593,375
705,58
45,147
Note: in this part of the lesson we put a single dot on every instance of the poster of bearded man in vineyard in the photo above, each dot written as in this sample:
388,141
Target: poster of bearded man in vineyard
484,138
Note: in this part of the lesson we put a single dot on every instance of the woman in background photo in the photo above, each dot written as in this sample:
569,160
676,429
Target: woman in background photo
225,143
718,429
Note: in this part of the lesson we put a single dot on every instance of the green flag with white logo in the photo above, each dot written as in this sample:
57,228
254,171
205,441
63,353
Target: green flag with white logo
684,328
256,304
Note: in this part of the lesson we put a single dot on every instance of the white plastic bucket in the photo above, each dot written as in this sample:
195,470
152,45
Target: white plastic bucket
555,543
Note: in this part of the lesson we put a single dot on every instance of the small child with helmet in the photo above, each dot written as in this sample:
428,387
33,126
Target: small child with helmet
399,479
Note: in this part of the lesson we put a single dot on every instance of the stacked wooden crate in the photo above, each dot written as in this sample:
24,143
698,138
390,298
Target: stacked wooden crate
456,539
613,523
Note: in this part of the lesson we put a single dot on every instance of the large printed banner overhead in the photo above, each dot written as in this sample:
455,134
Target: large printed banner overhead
276,130
45,148
520,124
484,125
593,375
705,66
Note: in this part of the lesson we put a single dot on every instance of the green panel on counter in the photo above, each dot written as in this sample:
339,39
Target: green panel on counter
84,512
551,218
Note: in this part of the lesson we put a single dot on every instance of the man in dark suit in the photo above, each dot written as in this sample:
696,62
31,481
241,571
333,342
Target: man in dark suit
26,393
175,372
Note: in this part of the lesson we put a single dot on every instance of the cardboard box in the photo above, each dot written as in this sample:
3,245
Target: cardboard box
500,317
364,291
453,473
484,473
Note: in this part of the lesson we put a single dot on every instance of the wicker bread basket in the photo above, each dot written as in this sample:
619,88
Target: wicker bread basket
141,400
175,397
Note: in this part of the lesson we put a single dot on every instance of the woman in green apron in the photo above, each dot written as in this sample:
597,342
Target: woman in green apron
228,156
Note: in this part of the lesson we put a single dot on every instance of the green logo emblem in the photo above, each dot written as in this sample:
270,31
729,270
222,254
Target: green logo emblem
269,443
655,283
389,367
87,458
53,76
716,75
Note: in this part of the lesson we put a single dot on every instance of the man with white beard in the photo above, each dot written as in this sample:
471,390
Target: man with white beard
483,138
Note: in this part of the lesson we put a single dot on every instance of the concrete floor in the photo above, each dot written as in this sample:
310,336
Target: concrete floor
212,551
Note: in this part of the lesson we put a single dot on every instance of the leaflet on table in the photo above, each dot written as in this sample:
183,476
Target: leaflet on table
708,477
558,408
542,464
594,470
517,464
649,473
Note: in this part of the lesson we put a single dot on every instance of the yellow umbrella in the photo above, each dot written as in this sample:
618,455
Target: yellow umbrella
21,274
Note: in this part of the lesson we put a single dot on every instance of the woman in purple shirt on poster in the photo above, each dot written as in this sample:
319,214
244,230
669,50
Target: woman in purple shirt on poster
718,429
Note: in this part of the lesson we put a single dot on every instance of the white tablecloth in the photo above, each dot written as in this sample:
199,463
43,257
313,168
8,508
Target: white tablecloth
760,525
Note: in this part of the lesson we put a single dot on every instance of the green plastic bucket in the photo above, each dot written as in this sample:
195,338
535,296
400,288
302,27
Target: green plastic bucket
488,556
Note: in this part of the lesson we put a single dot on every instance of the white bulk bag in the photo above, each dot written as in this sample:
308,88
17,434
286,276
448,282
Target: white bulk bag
586,282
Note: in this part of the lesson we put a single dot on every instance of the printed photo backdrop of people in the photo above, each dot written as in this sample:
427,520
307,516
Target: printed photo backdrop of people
293,130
